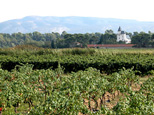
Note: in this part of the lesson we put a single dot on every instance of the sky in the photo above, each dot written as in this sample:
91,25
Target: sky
141,10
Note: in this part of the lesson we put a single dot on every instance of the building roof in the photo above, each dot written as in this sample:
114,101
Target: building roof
123,32
119,28
110,45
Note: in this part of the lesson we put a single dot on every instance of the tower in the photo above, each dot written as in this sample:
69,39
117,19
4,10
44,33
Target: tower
119,30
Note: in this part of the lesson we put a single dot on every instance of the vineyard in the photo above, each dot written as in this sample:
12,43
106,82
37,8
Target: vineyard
74,60
76,82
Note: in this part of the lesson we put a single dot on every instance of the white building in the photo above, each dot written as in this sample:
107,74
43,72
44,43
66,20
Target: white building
121,36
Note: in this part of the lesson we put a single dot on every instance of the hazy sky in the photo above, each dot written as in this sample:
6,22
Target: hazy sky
142,10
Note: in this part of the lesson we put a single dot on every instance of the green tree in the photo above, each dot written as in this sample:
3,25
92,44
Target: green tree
63,34
130,34
141,40
135,33
53,44
108,38
109,32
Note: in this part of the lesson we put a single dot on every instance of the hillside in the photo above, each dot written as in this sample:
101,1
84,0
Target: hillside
72,24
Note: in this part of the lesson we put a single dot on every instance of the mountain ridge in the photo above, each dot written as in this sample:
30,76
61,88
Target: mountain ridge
72,24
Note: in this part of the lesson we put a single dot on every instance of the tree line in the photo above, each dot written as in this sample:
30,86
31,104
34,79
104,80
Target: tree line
67,40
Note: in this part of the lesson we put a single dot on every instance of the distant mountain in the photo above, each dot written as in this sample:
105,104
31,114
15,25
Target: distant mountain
72,24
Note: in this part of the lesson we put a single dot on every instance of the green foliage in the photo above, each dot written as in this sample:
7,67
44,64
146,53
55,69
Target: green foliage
141,40
108,38
135,103
51,92
108,61
151,72
66,40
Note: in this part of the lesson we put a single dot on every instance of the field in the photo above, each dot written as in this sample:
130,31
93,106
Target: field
38,81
